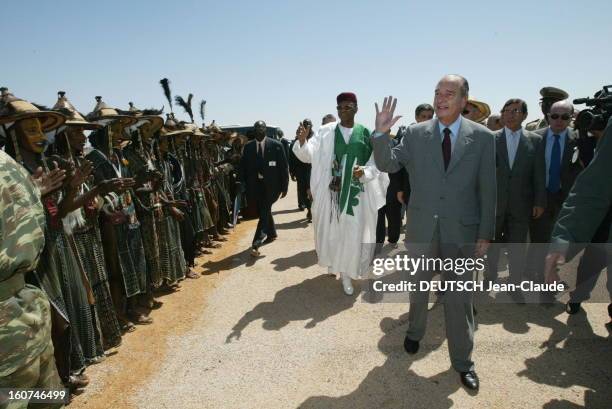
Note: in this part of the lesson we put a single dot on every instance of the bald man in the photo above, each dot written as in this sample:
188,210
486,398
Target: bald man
560,153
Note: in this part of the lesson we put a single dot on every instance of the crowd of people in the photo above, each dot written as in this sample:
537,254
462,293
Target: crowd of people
470,183
94,227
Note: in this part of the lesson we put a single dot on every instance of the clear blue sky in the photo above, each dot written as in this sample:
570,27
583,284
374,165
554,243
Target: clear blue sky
281,61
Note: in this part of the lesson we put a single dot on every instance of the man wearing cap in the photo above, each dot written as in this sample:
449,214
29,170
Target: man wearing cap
550,95
451,162
265,177
560,154
521,191
347,192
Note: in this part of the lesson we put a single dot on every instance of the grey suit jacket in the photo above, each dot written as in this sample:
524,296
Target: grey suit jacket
524,186
462,198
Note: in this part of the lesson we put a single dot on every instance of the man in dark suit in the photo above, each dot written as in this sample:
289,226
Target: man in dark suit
451,213
300,172
561,157
521,189
265,177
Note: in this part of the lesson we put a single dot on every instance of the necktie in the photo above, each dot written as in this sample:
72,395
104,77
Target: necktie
446,147
554,172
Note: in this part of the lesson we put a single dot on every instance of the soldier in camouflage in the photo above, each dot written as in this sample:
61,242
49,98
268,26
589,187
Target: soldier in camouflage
26,350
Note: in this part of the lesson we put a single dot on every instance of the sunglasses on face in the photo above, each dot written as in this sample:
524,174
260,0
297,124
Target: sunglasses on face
513,111
565,117
347,107
466,112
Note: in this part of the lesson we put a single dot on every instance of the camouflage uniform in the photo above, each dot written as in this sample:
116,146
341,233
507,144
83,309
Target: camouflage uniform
26,350
536,124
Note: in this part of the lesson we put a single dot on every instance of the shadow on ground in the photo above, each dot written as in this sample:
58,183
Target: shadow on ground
394,384
313,300
572,356
301,260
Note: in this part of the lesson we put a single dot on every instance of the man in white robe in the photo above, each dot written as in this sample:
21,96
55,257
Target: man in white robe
347,191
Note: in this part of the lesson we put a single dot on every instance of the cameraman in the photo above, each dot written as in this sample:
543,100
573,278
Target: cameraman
585,218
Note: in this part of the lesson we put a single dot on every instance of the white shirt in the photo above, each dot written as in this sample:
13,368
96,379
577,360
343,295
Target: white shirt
512,142
346,133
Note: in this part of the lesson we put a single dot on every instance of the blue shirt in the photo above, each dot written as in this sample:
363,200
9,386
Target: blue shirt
454,128
550,140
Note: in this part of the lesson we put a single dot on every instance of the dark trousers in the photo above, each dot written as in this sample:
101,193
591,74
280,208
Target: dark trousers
593,260
265,225
540,231
302,191
392,212
513,232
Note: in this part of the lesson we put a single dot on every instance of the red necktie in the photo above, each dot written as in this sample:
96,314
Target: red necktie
446,147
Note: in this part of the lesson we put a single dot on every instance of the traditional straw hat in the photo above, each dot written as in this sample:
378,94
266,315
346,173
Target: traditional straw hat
74,117
13,109
103,114
147,115
482,107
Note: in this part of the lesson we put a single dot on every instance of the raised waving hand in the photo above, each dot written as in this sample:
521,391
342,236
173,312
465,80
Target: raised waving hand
384,117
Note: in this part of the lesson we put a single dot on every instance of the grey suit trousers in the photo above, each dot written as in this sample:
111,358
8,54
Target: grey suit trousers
458,310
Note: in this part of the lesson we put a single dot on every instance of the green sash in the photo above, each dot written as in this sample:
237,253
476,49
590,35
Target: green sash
357,151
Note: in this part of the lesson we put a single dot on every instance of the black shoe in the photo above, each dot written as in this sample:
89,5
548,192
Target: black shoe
572,308
412,347
309,216
470,380
270,239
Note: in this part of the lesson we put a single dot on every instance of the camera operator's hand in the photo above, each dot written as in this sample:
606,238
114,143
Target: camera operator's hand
553,260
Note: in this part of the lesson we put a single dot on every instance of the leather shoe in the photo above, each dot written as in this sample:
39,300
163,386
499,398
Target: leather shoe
412,347
470,380
269,239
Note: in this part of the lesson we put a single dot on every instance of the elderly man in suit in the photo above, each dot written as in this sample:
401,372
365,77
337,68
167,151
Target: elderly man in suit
451,163
562,165
521,189
264,174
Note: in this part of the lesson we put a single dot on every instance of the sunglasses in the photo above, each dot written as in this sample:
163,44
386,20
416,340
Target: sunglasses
565,117
466,112
515,111
347,107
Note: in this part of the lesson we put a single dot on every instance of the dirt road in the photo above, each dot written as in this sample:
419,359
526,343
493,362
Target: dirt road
277,332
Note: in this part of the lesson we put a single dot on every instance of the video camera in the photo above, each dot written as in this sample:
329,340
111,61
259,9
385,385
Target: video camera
595,118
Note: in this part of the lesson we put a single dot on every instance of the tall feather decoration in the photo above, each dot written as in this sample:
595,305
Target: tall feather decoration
165,83
186,105
202,107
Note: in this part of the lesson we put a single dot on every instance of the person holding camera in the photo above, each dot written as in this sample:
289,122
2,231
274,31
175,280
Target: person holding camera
300,172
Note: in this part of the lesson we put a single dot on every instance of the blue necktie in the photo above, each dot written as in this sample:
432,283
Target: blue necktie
554,172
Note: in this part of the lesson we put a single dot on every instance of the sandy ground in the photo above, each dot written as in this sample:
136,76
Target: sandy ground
277,332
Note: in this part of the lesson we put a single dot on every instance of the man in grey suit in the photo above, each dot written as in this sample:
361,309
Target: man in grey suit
521,190
451,163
